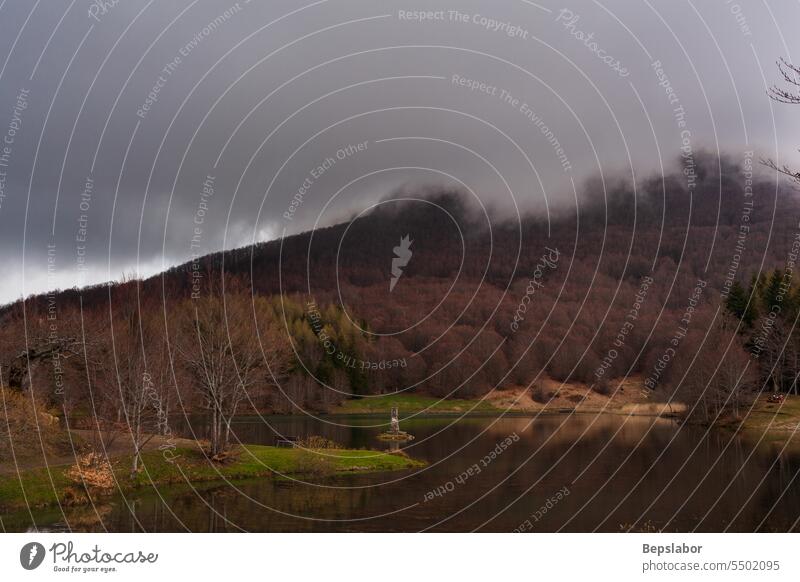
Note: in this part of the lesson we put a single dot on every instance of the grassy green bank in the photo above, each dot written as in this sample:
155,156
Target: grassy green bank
41,487
778,419
409,403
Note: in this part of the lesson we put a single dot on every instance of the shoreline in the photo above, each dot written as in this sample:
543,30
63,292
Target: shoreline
42,484
743,425
45,486
498,413
517,401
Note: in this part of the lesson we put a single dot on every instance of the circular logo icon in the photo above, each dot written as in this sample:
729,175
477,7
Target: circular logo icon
31,555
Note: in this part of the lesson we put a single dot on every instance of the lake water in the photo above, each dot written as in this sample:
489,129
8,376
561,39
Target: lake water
559,473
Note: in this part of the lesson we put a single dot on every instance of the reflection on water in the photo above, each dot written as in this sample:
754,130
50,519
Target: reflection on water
639,472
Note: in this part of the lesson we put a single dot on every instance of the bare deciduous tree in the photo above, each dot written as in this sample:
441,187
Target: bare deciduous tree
122,367
720,376
25,428
790,94
229,354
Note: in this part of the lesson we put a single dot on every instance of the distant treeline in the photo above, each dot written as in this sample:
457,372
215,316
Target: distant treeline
647,278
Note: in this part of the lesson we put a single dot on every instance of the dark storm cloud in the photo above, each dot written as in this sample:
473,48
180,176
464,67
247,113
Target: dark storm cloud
146,132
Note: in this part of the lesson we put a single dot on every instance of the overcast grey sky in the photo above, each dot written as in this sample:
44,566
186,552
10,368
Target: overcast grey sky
137,133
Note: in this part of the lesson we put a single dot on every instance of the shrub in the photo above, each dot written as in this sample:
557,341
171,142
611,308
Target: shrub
602,387
22,428
318,442
539,394
92,471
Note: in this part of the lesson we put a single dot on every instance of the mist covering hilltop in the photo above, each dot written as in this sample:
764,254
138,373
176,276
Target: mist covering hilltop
479,302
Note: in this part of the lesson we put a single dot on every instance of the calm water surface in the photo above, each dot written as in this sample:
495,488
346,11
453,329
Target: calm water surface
612,473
